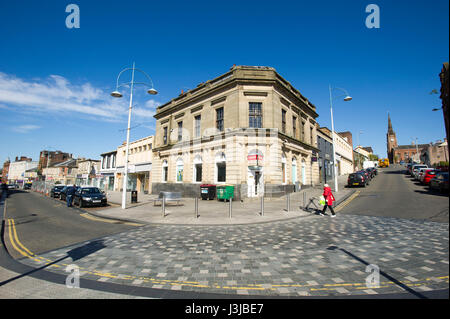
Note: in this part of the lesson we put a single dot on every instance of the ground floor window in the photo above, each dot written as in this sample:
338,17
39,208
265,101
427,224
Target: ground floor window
221,172
198,173
165,171
180,168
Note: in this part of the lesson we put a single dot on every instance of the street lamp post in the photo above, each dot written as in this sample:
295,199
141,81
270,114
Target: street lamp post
347,97
117,94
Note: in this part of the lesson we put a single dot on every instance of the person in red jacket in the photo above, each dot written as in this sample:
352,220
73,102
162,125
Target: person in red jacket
329,199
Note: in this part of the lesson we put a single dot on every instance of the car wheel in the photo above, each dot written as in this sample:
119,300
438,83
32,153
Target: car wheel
80,203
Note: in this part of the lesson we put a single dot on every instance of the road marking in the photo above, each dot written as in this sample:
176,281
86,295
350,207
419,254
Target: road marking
347,201
106,220
15,242
14,239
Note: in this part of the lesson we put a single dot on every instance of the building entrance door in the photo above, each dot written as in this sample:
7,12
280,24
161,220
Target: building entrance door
255,182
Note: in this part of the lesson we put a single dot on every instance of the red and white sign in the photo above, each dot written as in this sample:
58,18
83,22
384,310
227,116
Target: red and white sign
254,157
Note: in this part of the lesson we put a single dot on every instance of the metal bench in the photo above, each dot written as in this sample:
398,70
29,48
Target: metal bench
170,197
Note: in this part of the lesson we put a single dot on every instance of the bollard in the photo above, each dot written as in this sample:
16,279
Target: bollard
163,206
196,207
304,200
262,205
288,202
230,209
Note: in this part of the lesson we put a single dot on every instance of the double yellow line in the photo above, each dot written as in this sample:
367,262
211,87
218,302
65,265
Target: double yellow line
15,242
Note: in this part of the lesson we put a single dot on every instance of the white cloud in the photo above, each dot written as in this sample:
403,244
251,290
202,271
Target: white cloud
152,104
58,96
25,128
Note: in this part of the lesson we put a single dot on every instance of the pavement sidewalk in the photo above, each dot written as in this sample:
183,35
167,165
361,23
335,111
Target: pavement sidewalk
216,212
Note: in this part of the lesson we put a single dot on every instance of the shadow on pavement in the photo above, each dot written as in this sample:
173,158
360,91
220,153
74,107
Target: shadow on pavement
75,254
398,283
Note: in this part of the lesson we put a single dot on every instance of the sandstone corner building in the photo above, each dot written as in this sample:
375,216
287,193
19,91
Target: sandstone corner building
249,128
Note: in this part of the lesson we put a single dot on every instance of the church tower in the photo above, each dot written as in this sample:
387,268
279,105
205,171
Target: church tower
391,141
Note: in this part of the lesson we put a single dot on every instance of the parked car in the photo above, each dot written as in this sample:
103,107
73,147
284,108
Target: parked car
357,179
415,168
56,191
408,168
27,185
89,196
13,186
366,176
63,192
429,175
440,182
420,172
372,171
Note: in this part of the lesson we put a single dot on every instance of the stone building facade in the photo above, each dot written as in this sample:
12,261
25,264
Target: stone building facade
249,128
140,157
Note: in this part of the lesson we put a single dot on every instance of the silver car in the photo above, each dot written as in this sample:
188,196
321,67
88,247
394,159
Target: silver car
415,168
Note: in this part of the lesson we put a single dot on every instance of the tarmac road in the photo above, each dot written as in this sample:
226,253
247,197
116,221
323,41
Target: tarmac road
394,194
44,224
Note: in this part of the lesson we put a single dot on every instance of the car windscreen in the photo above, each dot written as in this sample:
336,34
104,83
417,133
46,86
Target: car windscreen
93,190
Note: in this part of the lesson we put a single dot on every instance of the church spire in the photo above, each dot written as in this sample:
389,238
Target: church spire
390,130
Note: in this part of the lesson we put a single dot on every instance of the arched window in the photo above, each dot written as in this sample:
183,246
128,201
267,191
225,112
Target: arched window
165,171
294,170
283,168
180,167
221,168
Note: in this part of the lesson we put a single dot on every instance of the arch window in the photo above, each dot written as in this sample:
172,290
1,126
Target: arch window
165,171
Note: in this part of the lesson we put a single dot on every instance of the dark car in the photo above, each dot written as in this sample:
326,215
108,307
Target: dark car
371,172
63,192
56,191
366,176
89,196
357,179
27,186
440,182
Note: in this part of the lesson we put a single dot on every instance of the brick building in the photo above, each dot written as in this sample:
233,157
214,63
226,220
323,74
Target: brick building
51,157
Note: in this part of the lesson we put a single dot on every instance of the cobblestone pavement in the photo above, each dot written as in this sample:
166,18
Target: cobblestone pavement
306,256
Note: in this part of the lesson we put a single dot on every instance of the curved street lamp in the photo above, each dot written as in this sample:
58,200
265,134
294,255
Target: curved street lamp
117,94
347,98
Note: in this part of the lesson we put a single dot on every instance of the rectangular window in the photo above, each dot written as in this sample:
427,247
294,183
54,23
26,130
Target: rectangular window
180,131
311,136
221,172
303,132
255,115
294,126
165,173
219,119
165,136
283,121
197,121
198,173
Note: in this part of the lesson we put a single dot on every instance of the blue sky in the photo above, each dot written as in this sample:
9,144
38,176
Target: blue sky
55,82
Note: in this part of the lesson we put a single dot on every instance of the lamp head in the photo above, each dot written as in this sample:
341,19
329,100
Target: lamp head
347,98
116,94
152,91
